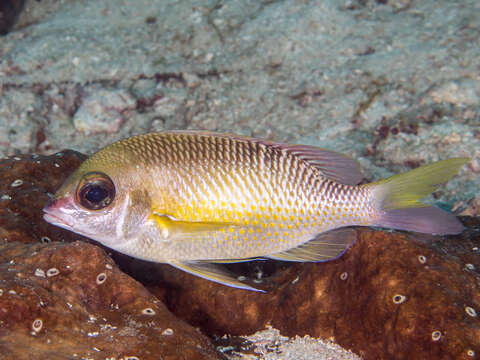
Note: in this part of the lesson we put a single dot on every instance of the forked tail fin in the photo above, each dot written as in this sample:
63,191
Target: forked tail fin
397,199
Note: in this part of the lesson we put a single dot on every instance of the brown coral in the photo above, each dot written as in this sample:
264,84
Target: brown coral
71,301
392,295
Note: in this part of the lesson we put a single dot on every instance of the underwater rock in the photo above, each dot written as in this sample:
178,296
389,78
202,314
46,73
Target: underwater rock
103,111
25,182
392,294
389,296
9,11
71,301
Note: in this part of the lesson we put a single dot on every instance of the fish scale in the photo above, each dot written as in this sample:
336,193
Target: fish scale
269,234
191,199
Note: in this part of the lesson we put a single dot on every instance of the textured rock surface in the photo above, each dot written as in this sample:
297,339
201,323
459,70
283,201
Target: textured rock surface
349,75
9,11
67,301
269,344
78,315
393,83
25,182
387,296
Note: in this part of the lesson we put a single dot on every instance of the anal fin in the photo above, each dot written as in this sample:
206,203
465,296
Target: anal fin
211,272
324,247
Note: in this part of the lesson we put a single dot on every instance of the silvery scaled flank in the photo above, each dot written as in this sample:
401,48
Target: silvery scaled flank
195,199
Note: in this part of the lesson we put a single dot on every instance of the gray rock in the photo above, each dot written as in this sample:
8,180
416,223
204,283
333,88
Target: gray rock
333,74
103,111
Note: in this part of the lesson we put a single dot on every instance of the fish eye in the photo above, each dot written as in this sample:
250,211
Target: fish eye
96,191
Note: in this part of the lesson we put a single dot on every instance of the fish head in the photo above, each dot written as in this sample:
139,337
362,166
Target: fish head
100,200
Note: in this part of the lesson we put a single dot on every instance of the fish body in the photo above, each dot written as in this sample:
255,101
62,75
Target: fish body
192,199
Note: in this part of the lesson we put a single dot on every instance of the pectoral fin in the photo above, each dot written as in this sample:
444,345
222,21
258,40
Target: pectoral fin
170,227
325,246
212,272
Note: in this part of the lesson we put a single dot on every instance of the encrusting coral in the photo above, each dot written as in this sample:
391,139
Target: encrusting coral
392,294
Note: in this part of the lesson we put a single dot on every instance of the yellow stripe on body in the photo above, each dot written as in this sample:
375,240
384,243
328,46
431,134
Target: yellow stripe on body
258,205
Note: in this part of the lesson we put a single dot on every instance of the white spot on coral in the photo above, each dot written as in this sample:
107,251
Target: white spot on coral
16,158
5,197
1,292
148,311
37,325
470,353
52,272
39,273
422,259
470,266
398,299
17,183
101,278
109,267
45,240
167,331
108,327
13,292
56,165
343,276
294,281
470,311
93,334
436,335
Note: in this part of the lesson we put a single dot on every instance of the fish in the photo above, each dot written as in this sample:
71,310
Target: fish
197,200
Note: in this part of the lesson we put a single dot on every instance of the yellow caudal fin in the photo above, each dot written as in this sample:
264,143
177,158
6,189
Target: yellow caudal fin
397,199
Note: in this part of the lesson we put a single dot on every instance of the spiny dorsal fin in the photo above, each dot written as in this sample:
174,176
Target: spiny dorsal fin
331,164
324,247
211,272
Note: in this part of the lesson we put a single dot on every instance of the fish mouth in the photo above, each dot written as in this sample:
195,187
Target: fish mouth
53,215
55,220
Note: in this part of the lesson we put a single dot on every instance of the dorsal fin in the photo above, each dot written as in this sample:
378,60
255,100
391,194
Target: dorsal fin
331,164
324,247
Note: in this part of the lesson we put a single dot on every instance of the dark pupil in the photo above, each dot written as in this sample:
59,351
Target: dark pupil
96,191
96,194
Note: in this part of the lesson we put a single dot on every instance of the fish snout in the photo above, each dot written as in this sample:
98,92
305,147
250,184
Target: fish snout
57,211
54,205
51,203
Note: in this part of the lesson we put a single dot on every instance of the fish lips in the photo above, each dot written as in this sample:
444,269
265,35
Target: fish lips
56,212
